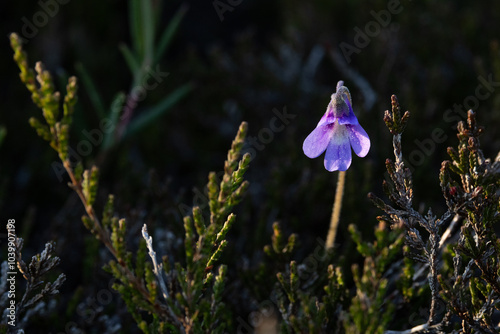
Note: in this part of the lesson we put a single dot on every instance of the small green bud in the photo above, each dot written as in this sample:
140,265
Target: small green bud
277,238
219,283
294,281
108,211
292,242
216,255
41,129
234,153
62,133
88,223
118,230
213,191
225,228
199,222
189,241
70,100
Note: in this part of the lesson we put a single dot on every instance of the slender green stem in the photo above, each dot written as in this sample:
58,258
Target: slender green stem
337,205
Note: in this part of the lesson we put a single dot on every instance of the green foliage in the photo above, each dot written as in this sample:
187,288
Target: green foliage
279,249
147,51
204,243
451,260
405,283
56,132
149,44
306,312
371,309
185,307
470,186
310,295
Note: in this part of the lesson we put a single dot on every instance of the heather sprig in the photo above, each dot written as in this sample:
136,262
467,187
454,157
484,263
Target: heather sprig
281,249
110,230
55,131
372,307
470,185
309,294
204,242
182,305
39,287
400,192
305,311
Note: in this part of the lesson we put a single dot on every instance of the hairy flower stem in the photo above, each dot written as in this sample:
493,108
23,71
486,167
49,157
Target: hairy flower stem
337,205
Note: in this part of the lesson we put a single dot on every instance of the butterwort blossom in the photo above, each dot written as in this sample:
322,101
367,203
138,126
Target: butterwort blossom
337,131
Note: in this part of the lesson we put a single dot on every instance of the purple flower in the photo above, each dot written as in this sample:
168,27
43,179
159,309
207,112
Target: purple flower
337,131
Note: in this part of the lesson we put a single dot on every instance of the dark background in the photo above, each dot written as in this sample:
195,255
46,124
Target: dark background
263,55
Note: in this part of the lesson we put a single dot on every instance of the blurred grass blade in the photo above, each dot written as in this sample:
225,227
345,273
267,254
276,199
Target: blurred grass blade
152,114
136,27
114,113
169,32
157,12
132,62
89,85
148,25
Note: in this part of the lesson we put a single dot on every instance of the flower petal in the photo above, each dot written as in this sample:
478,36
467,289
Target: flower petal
317,141
338,152
359,139
349,118
328,117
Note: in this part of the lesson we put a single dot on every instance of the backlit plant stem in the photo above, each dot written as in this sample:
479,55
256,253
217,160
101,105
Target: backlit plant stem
337,206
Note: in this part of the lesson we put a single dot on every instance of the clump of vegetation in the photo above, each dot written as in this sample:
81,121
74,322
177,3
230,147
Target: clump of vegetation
259,258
